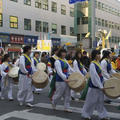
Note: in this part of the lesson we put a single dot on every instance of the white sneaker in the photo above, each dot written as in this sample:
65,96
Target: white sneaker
29,105
21,103
2,98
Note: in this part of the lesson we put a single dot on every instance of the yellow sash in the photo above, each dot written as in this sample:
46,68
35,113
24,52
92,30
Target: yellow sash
36,60
97,63
27,57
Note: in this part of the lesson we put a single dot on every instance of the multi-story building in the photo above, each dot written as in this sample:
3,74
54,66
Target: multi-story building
95,15
26,21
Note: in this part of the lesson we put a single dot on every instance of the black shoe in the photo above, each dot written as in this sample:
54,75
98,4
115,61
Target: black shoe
108,101
73,98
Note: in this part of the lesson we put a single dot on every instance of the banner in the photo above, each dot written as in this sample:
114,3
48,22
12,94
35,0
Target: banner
74,1
1,6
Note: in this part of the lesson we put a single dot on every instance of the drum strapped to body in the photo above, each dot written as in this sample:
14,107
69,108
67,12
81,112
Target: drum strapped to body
13,73
40,79
76,82
116,75
41,66
112,88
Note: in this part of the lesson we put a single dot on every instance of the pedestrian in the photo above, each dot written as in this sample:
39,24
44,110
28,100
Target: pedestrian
107,69
113,63
62,73
85,60
78,67
25,81
118,63
0,72
6,82
95,95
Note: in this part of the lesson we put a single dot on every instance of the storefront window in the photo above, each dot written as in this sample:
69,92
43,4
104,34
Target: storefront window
84,20
38,25
63,30
54,28
13,22
54,7
63,9
27,24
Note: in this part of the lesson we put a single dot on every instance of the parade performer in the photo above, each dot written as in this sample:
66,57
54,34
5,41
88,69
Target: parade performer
0,72
52,72
78,67
62,89
6,82
35,61
107,68
95,95
25,82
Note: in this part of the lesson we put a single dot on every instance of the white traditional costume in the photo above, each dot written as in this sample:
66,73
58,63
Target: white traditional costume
6,81
25,81
95,96
62,89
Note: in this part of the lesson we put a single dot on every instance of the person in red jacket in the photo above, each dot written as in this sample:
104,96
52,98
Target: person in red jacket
118,63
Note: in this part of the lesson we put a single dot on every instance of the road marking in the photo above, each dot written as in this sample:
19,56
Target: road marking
25,114
75,109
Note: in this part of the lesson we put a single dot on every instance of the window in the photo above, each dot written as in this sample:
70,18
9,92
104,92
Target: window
78,21
45,4
84,20
13,22
54,28
38,27
27,2
63,30
96,21
54,7
14,0
38,4
72,12
27,24
99,22
99,5
63,9
1,20
71,31
103,22
106,23
45,27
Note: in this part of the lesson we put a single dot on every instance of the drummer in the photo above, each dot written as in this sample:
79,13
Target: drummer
78,67
6,83
51,71
25,82
95,95
62,89
35,61
107,68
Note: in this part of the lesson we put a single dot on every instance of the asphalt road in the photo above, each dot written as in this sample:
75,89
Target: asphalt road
43,110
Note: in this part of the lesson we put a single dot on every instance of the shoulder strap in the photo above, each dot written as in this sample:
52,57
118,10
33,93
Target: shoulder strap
27,57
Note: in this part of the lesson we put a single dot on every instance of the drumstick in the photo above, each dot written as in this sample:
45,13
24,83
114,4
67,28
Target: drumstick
72,80
109,88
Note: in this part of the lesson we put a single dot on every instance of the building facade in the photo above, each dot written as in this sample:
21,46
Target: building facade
26,21
95,15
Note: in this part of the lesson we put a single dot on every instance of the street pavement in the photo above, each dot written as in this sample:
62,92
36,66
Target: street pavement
10,110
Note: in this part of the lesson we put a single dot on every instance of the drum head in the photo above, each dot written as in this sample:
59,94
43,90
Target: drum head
113,86
13,73
41,66
40,79
77,82
116,75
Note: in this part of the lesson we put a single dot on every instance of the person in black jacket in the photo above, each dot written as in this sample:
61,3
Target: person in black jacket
85,60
